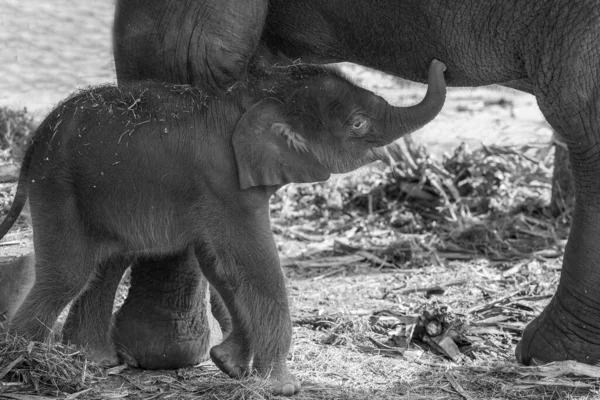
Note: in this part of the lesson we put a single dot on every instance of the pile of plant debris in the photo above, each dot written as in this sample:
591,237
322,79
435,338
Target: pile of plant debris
488,202
48,369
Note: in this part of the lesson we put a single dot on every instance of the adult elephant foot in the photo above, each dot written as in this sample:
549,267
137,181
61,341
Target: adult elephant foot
560,333
103,354
569,327
166,320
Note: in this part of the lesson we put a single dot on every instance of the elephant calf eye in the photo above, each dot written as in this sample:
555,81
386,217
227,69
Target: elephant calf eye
359,125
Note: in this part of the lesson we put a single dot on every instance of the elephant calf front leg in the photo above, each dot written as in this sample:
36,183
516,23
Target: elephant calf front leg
249,278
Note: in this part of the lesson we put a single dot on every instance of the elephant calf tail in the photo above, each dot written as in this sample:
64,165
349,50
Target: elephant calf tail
20,196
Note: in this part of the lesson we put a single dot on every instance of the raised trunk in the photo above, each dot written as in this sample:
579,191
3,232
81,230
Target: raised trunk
403,120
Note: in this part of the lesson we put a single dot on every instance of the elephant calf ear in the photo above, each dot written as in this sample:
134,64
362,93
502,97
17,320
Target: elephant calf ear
269,152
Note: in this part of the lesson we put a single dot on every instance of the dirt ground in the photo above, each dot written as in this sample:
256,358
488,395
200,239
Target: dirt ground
49,48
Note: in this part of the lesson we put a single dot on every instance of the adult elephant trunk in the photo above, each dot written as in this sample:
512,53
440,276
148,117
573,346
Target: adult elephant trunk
403,120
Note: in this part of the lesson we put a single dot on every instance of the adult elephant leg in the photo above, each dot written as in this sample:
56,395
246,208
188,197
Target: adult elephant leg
90,315
563,190
568,92
247,274
165,321
198,42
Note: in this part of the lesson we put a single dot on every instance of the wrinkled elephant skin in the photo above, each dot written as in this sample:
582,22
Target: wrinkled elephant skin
213,40
147,334
147,172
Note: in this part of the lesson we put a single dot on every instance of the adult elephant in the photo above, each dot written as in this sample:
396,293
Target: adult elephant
546,48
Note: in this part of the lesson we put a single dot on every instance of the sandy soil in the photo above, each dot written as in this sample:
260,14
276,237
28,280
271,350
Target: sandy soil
52,47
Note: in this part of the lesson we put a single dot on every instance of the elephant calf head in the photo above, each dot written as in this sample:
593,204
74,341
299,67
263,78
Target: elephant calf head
318,123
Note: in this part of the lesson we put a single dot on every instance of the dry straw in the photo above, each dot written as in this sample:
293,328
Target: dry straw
47,368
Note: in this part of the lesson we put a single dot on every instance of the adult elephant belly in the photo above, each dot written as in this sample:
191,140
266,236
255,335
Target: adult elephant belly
544,48
481,43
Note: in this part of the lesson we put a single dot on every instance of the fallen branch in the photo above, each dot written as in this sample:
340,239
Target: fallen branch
492,303
436,288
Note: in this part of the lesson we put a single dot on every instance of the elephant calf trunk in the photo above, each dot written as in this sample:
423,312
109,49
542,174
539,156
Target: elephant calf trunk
404,120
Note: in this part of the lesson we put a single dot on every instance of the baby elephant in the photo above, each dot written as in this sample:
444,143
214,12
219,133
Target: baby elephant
118,174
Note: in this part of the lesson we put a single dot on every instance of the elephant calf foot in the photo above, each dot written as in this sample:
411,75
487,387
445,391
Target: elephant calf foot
99,350
556,335
231,358
105,356
283,382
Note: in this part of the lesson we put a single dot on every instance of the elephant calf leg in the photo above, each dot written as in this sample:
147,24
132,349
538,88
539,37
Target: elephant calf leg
220,313
88,322
61,274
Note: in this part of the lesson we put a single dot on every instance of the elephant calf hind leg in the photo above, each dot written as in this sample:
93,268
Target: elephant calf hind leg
89,319
219,311
58,280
